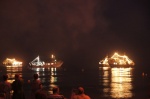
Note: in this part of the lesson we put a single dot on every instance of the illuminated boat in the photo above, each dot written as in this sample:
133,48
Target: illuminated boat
117,61
12,62
104,62
37,63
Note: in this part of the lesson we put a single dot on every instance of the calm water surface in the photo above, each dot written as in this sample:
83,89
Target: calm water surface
103,83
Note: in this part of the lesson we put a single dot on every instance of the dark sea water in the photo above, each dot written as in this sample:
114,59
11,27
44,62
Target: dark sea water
100,83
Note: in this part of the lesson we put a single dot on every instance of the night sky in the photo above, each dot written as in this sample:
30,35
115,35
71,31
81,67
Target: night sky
79,32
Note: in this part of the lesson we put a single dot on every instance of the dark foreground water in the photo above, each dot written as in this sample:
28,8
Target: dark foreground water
101,83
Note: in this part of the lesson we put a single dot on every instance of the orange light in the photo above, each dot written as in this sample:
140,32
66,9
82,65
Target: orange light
117,59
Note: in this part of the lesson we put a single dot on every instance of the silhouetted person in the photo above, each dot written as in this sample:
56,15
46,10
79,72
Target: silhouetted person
40,95
80,94
55,94
17,87
35,85
41,89
74,92
5,87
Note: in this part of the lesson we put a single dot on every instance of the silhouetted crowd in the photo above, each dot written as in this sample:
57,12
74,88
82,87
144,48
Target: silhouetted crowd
15,90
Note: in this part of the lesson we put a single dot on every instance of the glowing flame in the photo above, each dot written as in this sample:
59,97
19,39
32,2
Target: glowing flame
117,59
105,61
13,61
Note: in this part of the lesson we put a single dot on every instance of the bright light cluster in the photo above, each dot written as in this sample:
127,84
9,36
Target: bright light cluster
105,61
37,62
121,60
117,59
53,63
13,62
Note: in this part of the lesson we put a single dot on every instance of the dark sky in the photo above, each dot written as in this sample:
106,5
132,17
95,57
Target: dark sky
80,32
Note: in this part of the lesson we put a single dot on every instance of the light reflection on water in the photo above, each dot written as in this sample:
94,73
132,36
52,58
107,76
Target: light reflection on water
48,75
112,82
11,71
117,82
